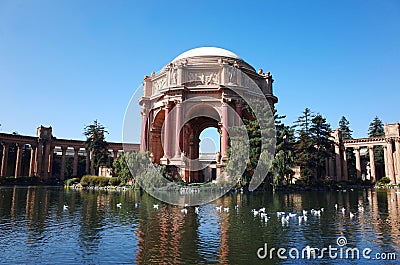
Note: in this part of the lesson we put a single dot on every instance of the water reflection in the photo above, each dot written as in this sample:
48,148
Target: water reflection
35,227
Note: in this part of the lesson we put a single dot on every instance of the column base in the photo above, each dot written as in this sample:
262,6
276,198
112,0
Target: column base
164,161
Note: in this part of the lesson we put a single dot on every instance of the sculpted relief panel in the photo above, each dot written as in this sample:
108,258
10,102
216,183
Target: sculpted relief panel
159,84
203,78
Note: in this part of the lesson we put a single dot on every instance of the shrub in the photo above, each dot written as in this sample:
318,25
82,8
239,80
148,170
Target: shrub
89,180
70,182
383,181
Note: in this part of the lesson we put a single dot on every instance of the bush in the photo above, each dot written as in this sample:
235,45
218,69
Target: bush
89,180
70,182
383,181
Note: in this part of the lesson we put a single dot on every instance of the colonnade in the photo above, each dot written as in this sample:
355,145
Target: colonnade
43,148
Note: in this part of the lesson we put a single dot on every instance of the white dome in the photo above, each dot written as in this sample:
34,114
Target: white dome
207,51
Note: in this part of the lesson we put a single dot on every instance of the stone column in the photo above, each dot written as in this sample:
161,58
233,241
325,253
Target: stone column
178,127
390,164
39,155
75,166
143,133
385,161
345,169
115,154
326,167
239,112
50,167
87,162
372,163
32,163
224,131
397,146
18,161
338,161
4,160
63,153
358,161
45,165
92,169
167,129
331,168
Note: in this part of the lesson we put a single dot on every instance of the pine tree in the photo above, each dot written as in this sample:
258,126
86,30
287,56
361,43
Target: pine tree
376,128
96,144
321,131
303,148
303,122
344,128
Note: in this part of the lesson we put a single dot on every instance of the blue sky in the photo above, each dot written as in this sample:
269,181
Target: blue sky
67,63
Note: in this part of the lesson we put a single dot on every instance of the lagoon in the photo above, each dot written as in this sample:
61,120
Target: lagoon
36,228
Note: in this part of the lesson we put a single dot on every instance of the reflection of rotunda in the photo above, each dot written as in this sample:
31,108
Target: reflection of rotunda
190,94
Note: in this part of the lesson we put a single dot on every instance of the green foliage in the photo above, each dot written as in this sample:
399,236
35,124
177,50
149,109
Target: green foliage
70,182
96,144
89,180
152,178
383,181
303,122
261,135
313,145
129,165
344,128
376,128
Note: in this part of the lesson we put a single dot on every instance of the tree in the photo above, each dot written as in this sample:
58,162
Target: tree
284,157
321,132
376,129
129,165
303,147
96,144
303,122
313,144
344,128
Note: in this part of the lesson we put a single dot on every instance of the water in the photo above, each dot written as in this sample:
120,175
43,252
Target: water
36,229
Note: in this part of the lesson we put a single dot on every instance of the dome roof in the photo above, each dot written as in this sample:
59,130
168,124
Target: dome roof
207,51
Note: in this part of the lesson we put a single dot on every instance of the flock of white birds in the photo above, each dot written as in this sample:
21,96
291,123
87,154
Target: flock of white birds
285,217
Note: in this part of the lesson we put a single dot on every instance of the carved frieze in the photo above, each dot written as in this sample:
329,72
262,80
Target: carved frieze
204,78
159,84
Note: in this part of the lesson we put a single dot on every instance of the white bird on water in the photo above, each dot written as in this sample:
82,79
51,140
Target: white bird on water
65,207
119,205
184,211
219,208
336,206
196,210
343,210
155,206
226,210
351,215
186,205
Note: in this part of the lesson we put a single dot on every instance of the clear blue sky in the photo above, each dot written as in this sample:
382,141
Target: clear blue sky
66,63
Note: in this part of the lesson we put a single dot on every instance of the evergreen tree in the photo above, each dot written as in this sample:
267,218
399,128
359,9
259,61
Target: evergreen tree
344,128
323,145
303,122
96,144
303,148
376,128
